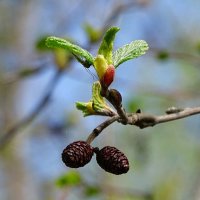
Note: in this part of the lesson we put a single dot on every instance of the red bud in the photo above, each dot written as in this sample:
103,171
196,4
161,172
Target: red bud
108,77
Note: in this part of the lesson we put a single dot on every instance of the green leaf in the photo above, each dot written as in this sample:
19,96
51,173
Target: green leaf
72,178
106,46
62,58
86,108
99,104
92,33
80,54
129,51
41,44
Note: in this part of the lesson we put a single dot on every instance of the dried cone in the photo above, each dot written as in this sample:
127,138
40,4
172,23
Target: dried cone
112,160
77,154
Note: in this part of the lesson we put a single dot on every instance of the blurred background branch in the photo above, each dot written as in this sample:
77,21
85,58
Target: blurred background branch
10,133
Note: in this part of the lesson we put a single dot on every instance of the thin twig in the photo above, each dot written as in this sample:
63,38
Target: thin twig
100,128
24,73
10,133
143,120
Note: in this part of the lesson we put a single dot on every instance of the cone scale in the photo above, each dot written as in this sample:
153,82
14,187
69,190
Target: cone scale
77,154
112,160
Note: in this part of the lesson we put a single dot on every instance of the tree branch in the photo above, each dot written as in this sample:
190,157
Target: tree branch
10,133
101,127
143,120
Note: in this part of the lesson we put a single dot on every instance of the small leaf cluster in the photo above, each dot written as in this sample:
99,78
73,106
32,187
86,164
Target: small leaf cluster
121,55
104,63
79,153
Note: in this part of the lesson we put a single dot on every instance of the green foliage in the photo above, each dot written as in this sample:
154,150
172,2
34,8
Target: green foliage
129,51
81,55
92,33
125,53
86,108
99,104
100,65
91,191
41,44
198,47
62,58
72,178
168,189
163,55
106,46
96,105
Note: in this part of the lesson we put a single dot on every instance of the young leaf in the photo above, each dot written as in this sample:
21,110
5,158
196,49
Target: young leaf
78,52
93,34
99,104
129,51
106,46
86,108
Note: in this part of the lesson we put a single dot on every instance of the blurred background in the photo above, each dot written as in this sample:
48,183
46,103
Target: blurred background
38,118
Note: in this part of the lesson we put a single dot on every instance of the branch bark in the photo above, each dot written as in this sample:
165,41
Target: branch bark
101,127
143,120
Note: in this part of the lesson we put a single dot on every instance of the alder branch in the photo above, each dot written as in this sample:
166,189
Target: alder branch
144,120
11,132
101,127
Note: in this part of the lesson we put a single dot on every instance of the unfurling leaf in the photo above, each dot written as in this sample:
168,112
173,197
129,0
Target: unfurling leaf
99,104
62,58
93,34
80,54
106,46
129,51
86,108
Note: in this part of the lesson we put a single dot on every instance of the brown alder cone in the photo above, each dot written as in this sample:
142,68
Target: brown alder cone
77,154
112,160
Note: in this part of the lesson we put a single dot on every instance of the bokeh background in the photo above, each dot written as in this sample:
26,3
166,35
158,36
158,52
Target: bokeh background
164,160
